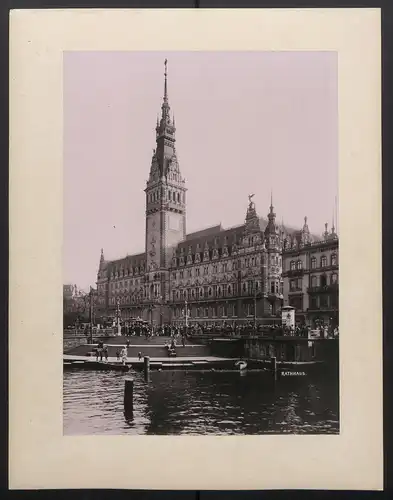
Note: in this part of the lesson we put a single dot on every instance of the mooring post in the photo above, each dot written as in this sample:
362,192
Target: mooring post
129,397
273,360
146,367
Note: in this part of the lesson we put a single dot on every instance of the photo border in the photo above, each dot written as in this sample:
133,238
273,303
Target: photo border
33,52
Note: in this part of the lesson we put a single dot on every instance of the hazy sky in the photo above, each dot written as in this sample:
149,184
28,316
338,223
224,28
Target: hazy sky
247,122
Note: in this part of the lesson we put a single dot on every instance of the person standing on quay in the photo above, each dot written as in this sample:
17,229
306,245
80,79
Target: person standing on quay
124,355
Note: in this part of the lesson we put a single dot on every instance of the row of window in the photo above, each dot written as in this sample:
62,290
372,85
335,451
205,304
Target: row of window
223,267
247,262
324,302
221,311
174,196
248,288
126,284
127,272
317,302
315,281
298,265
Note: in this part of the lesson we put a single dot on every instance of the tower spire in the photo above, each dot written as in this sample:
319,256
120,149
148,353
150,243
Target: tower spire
165,84
165,105
252,219
102,259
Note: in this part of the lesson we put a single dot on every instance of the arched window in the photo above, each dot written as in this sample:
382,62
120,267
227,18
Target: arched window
323,261
314,281
299,264
229,290
272,287
333,278
293,265
313,263
178,197
333,259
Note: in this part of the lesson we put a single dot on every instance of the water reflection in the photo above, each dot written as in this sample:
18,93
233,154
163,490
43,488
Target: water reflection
195,403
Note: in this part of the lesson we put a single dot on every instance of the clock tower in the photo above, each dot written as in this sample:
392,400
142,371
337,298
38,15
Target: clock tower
165,201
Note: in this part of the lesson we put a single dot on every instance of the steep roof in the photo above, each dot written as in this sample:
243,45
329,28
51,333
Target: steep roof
209,231
128,262
215,237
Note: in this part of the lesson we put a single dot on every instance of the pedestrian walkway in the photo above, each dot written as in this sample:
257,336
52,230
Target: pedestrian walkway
136,360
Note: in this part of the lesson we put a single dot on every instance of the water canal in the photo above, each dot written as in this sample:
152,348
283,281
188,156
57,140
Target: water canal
199,403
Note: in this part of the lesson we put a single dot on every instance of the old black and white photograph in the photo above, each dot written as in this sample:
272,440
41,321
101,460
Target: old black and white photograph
201,243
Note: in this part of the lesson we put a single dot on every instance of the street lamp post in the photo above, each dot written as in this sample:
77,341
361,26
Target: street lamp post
255,309
118,317
91,314
160,302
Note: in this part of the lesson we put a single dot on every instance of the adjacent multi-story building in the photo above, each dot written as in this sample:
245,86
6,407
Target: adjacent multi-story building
310,276
68,292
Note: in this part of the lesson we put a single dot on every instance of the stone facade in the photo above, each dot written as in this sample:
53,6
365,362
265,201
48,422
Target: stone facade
310,275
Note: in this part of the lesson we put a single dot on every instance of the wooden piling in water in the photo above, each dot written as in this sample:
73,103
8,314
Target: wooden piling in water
146,367
273,360
129,397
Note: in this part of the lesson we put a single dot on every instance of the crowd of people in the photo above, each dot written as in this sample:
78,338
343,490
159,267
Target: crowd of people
227,329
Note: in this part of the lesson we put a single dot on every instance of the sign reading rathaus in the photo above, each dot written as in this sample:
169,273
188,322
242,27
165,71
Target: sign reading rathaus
213,275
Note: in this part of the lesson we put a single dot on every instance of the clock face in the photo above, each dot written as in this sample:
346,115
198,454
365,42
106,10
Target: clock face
174,222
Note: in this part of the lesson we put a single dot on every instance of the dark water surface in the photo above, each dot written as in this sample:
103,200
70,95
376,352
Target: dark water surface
200,403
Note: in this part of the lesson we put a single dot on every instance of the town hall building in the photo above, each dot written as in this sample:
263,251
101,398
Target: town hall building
211,276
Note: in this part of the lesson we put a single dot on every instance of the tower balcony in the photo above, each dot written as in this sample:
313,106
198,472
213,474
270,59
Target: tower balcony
293,273
323,289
